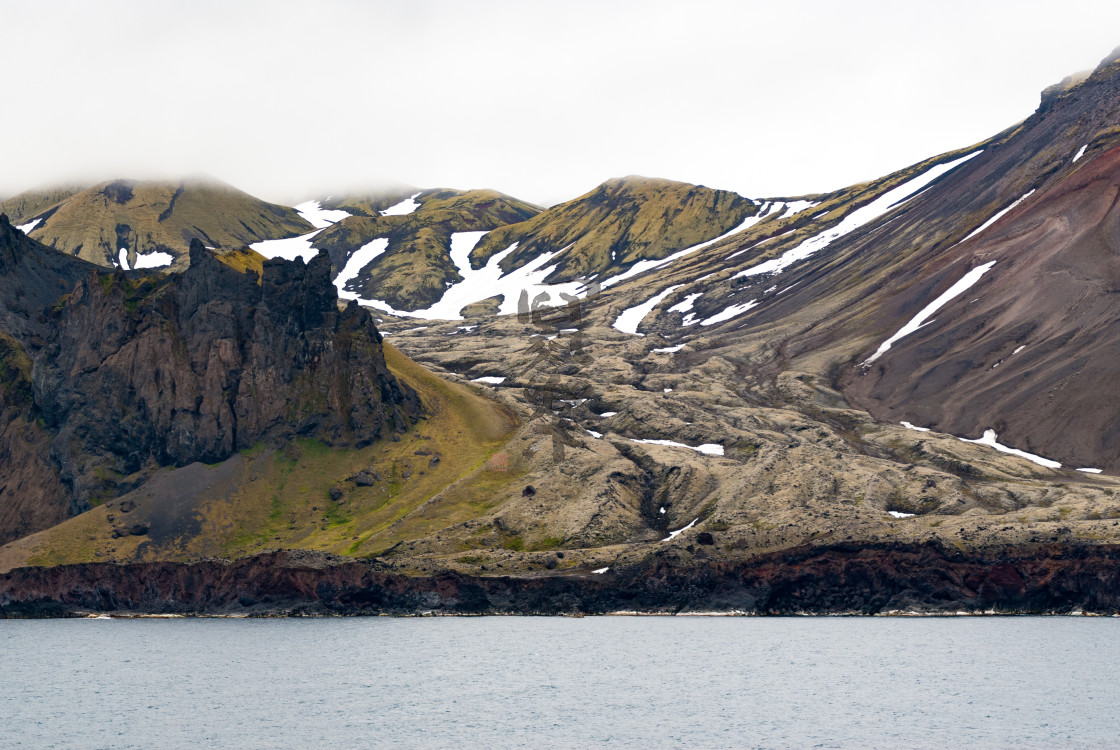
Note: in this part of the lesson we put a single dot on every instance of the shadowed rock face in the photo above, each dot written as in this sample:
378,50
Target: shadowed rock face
32,277
128,373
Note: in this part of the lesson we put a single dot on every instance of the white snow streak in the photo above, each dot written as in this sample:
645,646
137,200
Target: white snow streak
668,349
594,434
909,426
900,514
673,534
354,265
686,304
606,414
122,258
319,217
916,322
291,248
797,207
1080,153
708,449
856,219
491,379
648,265
29,226
403,208
1090,471
995,218
600,571
631,318
729,313
989,440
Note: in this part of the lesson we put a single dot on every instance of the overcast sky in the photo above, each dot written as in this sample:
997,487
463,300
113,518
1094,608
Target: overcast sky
542,100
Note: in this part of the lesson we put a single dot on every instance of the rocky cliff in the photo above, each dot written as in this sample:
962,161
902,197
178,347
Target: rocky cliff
128,372
839,579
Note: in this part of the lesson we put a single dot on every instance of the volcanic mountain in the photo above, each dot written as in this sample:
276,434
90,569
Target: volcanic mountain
696,381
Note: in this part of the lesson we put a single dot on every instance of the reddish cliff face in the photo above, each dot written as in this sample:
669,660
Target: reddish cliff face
1032,350
127,373
843,579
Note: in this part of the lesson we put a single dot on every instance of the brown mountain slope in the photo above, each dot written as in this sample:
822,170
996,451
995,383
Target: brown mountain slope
1033,349
148,217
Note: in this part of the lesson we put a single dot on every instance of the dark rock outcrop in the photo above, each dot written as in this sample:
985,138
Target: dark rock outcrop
870,579
128,372
32,277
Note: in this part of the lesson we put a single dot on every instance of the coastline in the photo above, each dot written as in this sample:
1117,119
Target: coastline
880,579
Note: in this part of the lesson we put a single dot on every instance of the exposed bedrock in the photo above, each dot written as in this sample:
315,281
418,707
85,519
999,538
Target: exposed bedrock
865,579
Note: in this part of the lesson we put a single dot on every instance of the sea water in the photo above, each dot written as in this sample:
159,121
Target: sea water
561,682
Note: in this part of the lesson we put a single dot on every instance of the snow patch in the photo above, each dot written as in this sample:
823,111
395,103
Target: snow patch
1078,155
856,219
155,259
600,571
405,207
899,514
673,534
361,257
643,266
289,248
708,449
729,313
1090,471
1021,348
999,215
29,226
594,434
797,207
122,258
319,217
686,304
989,439
491,379
606,414
916,322
668,349
909,426
631,318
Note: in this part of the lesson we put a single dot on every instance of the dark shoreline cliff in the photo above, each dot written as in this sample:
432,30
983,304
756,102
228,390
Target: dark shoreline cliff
842,579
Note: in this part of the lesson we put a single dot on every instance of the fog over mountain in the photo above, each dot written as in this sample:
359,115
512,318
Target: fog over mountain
287,100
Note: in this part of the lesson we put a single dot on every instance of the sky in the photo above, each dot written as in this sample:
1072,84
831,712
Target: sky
291,100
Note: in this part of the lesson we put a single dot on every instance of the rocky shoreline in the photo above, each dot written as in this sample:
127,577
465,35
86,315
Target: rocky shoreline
858,579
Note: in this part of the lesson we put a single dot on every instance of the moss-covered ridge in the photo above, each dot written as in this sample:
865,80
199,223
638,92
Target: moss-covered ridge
617,224
96,223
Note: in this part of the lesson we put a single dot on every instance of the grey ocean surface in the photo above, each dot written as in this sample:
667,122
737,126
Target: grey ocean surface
561,682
